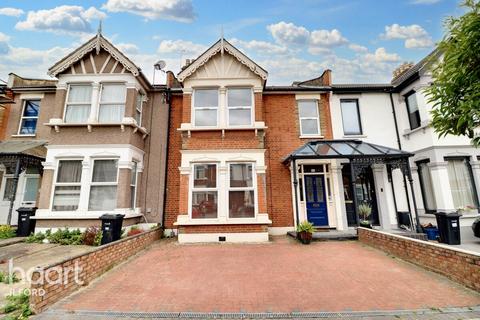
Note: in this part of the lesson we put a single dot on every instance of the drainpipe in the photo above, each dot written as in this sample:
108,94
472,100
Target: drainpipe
14,195
400,148
295,185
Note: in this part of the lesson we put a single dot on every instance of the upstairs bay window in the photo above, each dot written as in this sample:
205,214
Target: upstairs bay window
28,122
412,109
103,187
241,192
139,108
112,103
205,107
66,194
309,118
79,102
239,104
204,192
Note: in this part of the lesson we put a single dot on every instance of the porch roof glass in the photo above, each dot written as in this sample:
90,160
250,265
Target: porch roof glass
345,149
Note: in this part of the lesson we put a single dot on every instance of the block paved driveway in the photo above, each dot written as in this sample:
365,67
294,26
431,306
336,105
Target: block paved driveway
282,276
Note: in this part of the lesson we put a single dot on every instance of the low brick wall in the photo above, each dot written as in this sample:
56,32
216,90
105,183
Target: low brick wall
56,281
459,265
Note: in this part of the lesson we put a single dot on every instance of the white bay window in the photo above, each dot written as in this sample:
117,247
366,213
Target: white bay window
67,185
205,107
241,191
204,192
103,187
79,102
112,103
239,105
461,183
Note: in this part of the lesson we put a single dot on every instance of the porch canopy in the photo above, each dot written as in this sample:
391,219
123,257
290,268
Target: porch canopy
361,155
16,156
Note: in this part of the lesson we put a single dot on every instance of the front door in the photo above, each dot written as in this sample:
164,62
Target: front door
316,200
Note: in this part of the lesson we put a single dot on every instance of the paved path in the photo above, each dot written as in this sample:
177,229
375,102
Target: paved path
283,276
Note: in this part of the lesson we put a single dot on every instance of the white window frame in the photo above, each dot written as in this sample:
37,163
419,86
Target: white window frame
26,177
193,109
100,184
252,188
251,107
300,118
66,184
359,116
100,102
22,117
4,186
77,103
134,171
193,189
137,109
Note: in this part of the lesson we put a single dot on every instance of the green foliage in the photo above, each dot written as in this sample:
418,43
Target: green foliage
306,226
6,232
8,279
66,237
455,91
98,239
18,307
35,237
364,211
91,237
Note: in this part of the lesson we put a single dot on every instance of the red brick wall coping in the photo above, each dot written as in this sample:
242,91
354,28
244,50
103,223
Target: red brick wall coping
51,283
459,265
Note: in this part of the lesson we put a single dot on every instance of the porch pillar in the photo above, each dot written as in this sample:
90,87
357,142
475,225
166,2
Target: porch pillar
441,186
338,196
18,169
385,206
410,180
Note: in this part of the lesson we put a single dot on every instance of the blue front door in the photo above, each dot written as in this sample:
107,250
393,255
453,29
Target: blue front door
316,200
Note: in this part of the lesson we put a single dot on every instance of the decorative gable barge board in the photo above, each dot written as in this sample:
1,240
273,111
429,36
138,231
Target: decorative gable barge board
458,265
92,264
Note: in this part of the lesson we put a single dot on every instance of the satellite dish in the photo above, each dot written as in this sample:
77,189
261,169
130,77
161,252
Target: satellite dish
160,65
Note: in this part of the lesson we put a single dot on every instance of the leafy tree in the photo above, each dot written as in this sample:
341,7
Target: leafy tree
455,92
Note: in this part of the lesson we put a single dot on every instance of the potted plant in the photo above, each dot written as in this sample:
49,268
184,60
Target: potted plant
364,211
305,232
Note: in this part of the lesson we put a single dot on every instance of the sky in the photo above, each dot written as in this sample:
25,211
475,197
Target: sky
361,41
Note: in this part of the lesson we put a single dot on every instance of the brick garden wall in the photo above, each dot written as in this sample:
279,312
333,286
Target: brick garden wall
458,265
92,265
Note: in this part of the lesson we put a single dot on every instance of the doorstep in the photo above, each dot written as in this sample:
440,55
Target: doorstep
333,235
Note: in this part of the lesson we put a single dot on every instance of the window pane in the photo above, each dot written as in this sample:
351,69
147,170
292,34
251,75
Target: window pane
205,176
29,126
9,185
113,93
241,204
139,101
350,117
204,204
66,198
132,197
80,93
461,183
77,113
31,108
240,97
104,171
206,98
69,171
241,175
102,198
412,103
308,108
427,186
133,176
309,126
31,189
138,117
237,117
111,113
206,117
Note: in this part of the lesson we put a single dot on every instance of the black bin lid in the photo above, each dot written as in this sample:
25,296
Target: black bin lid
110,216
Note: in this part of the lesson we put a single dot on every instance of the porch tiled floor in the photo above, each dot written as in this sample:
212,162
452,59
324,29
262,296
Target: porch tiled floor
282,276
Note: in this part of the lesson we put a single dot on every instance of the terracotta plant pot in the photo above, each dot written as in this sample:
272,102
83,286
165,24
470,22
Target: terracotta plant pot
305,237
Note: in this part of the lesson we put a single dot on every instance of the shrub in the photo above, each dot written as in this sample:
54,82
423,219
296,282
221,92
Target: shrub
36,237
305,226
133,231
18,306
90,235
6,232
66,237
7,279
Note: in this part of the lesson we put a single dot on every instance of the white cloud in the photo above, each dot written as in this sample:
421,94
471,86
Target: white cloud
11,12
4,47
289,34
357,48
127,48
181,47
319,51
178,10
381,55
259,47
414,35
425,1
325,38
61,20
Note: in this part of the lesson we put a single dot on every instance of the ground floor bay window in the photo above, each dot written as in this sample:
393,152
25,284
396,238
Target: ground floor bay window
461,183
103,188
66,195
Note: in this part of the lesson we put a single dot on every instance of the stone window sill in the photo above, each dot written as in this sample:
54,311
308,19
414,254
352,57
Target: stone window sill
90,125
184,220
187,127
